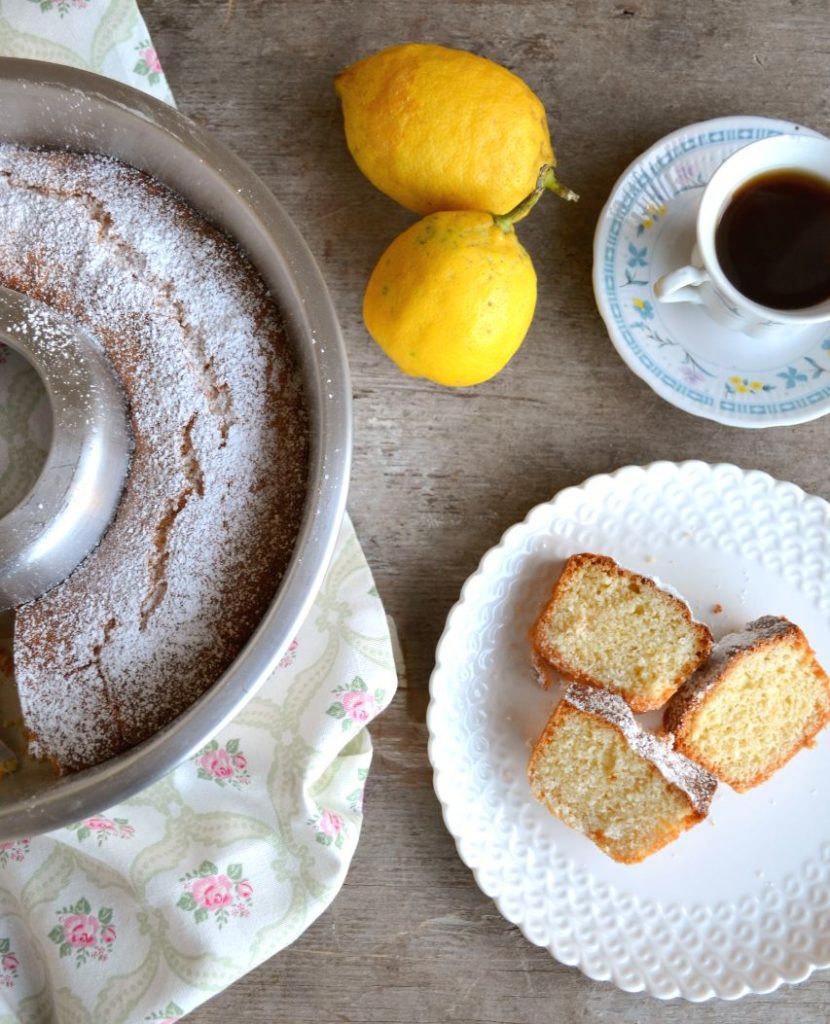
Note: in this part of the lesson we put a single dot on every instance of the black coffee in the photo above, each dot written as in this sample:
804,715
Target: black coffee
773,240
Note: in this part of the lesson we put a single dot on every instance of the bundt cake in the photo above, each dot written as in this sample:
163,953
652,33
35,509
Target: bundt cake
760,698
217,484
607,627
602,774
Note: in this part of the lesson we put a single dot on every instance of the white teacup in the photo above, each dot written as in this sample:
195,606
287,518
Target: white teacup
703,281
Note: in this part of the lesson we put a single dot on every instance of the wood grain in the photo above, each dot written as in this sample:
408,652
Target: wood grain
439,475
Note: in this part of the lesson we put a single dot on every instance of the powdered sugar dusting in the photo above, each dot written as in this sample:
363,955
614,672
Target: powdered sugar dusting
692,693
697,783
217,484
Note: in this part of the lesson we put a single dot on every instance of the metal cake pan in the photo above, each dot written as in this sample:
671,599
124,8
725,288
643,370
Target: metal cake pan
44,104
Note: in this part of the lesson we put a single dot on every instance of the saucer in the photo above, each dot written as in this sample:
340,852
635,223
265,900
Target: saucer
646,229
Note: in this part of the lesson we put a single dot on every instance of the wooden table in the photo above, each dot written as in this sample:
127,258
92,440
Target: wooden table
439,475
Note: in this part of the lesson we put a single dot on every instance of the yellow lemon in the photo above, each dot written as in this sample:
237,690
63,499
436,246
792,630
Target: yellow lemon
441,129
452,298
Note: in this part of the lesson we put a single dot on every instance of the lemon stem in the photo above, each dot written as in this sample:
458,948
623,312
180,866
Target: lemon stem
545,181
506,220
561,190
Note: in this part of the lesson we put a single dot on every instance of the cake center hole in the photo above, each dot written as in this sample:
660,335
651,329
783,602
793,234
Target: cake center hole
25,428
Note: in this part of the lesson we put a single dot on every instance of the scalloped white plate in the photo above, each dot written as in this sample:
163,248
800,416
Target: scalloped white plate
739,904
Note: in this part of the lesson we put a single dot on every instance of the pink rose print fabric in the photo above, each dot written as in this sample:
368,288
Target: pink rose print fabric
354,704
287,660
9,964
83,935
211,894
102,828
148,63
330,829
225,765
14,850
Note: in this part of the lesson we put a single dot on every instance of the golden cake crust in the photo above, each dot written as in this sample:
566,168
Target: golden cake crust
548,651
689,780
728,654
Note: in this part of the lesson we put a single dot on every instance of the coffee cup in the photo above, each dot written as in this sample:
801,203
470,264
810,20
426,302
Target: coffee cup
735,271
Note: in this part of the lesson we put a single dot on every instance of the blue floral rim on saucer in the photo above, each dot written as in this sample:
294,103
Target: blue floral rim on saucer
677,349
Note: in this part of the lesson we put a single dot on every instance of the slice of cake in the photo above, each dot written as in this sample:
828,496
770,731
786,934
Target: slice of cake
602,774
759,700
605,626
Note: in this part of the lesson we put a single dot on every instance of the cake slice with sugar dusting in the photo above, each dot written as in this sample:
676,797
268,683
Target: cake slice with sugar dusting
604,775
760,698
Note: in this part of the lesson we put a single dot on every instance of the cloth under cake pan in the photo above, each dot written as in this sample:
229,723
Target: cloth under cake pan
143,911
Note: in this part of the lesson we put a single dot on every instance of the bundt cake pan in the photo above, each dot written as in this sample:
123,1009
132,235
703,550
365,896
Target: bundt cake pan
65,514
51,105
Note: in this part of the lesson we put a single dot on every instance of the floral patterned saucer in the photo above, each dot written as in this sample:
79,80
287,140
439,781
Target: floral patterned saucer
648,228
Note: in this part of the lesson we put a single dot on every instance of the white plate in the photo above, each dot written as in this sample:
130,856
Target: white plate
648,228
739,904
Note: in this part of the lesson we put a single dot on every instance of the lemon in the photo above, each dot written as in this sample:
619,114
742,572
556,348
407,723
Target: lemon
442,129
452,297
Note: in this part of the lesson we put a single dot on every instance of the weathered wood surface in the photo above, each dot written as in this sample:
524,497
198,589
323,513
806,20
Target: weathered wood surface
439,475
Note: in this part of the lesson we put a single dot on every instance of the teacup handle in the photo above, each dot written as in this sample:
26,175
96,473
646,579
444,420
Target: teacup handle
681,285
